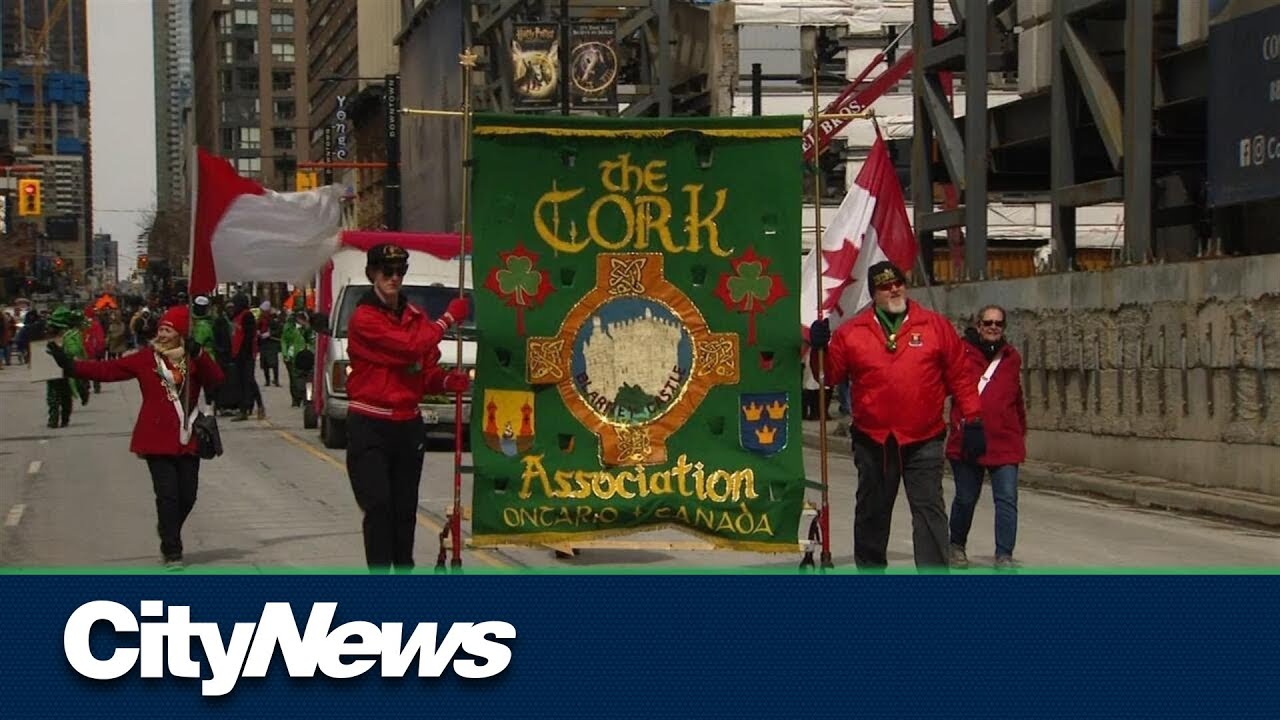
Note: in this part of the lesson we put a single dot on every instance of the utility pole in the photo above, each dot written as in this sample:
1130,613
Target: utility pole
391,178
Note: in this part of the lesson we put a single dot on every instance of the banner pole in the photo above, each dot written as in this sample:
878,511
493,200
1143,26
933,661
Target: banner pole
468,62
824,516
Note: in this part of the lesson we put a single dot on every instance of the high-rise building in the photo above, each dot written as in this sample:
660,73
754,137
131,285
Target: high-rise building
44,123
173,72
251,85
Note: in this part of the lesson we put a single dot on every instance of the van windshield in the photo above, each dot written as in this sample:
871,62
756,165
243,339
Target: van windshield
431,298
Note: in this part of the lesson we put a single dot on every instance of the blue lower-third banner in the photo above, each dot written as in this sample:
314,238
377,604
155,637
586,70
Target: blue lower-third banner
640,646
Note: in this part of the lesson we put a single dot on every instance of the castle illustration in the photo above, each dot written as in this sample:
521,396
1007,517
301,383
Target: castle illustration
638,351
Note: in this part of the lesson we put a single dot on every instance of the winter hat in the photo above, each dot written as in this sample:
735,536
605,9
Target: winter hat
178,318
883,272
265,306
65,318
200,306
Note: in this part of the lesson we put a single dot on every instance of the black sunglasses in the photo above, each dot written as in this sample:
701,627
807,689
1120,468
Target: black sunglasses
993,323
390,270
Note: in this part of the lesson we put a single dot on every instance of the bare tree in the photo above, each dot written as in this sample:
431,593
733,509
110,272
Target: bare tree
168,234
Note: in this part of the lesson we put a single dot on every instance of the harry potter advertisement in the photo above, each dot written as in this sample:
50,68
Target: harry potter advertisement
637,295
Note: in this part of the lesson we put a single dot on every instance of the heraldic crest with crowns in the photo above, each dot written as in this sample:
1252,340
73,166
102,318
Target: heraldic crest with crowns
637,305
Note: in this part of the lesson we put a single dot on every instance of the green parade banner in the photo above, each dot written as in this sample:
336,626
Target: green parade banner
637,302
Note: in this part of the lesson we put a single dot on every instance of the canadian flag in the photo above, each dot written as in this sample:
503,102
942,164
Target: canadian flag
243,232
870,226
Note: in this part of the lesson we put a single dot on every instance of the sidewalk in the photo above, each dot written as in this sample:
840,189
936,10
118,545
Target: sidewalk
1124,487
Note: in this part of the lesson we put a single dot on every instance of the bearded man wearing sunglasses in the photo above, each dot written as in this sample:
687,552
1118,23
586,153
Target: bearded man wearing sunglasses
393,347
902,361
999,367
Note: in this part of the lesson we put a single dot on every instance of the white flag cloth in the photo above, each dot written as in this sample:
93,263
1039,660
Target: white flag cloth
871,225
242,232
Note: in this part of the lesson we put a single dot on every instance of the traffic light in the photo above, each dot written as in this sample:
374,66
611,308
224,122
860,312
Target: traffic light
142,262
28,197
305,180
59,264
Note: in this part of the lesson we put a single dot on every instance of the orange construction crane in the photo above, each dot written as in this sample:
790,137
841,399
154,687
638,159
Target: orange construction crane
40,62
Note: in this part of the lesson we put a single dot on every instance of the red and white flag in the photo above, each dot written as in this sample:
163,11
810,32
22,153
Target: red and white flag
243,232
870,226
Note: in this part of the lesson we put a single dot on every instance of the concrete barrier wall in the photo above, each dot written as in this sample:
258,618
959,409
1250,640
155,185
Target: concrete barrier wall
1169,370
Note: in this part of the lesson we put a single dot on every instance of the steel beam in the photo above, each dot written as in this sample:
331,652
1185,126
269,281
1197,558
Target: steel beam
922,141
949,140
1098,93
1182,77
488,22
633,23
947,55
1139,30
1062,168
1094,192
941,220
1021,121
663,10
976,140
1076,7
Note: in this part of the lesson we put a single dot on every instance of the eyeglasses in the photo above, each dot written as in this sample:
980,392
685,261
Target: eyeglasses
993,323
889,286
391,270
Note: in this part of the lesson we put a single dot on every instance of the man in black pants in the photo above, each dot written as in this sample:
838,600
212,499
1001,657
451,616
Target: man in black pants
394,357
902,361
244,348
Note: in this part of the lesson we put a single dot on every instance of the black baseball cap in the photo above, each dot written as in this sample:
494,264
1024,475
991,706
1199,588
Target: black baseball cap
386,254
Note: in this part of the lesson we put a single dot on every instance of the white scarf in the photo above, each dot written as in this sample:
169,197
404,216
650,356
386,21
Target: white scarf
175,391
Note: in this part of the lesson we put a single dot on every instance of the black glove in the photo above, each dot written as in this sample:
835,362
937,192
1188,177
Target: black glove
60,356
820,334
192,348
973,443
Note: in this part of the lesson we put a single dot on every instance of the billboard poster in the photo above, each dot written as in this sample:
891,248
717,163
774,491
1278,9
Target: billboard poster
1244,101
593,66
638,363
535,62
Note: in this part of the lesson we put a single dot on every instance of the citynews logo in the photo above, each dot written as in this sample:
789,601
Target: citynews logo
344,652
1257,150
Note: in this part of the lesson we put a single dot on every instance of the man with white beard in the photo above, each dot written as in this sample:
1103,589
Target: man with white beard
902,361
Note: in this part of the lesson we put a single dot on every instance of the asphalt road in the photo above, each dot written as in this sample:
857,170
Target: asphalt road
278,501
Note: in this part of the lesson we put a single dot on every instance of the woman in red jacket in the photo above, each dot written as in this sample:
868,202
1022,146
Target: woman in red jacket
1004,415
171,377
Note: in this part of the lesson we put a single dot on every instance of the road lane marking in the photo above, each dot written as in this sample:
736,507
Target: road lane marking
423,520
34,467
15,515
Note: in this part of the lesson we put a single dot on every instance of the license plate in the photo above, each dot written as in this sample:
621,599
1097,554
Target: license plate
430,417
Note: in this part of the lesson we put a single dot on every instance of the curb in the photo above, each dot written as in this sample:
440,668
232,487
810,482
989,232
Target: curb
1132,489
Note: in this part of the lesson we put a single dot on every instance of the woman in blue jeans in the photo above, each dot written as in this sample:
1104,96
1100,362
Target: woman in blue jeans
997,368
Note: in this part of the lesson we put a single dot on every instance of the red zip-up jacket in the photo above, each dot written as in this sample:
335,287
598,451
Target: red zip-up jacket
244,327
1004,414
902,393
394,359
156,430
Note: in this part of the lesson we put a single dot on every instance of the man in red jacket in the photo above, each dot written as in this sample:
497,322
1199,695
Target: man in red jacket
902,361
999,369
394,357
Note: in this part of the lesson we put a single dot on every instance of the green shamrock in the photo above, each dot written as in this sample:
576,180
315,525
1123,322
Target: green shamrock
519,279
749,284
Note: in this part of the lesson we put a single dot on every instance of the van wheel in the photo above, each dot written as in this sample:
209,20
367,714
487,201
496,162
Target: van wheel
333,433
309,419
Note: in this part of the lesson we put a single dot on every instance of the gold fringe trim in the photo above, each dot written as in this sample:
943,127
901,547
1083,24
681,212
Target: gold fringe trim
568,538
636,132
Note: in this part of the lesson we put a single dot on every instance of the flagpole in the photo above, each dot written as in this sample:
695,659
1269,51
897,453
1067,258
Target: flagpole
824,517
467,60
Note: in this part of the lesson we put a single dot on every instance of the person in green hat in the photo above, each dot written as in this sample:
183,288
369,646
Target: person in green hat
298,343
57,392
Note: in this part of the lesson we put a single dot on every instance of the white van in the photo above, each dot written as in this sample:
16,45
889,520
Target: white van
431,283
